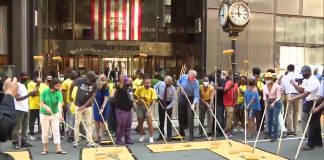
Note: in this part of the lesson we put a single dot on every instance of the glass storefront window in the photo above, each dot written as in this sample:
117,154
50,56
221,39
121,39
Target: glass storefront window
314,31
295,30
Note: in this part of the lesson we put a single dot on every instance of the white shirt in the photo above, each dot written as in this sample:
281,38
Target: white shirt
311,85
285,83
22,105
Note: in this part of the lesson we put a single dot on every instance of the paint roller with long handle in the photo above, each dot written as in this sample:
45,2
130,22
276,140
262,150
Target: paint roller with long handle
105,123
208,138
220,126
305,131
256,141
166,113
285,116
154,120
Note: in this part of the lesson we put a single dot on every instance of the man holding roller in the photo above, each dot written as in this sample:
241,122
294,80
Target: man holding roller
190,86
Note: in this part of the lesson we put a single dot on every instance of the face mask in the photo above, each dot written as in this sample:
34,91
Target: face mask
205,84
268,81
306,76
103,82
147,87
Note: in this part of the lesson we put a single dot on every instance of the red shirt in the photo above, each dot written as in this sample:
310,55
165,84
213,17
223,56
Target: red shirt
229,97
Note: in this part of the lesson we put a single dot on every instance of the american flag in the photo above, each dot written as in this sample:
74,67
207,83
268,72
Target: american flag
116,19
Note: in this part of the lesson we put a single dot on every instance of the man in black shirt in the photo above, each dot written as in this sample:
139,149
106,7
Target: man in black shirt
220,110
84,97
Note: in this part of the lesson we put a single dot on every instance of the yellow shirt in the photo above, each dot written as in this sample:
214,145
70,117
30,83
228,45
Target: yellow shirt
260,87
240,98
66,86
34,101
137,83
206,94
73,106
148,95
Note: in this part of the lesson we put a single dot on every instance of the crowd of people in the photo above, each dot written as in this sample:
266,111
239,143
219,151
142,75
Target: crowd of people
80,102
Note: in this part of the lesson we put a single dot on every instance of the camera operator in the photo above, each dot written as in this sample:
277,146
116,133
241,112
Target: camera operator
7,112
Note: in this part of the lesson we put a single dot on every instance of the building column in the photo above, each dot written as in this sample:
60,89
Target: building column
20,34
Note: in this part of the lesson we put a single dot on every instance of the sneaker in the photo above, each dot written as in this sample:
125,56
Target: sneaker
273,140
90,144
199,136
25,144
230,135
241,130
15,146
235,130
76,145
141,139
151,140
307,148
32,138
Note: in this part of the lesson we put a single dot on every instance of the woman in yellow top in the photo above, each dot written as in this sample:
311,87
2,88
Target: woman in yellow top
207,93
145,96
239,118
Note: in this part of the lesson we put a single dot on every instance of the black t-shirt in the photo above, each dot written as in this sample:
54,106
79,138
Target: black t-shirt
123,98
84,91
221,83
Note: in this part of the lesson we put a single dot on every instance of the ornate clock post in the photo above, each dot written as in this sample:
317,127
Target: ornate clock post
233,17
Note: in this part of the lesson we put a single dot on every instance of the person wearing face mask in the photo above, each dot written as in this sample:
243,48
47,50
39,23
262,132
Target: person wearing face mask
220,110
145,94
68,116
123,94
239,110
253,106
51,101
309,90
272,98
259,84
83,101
229,99
101,106
207,93
167,96
34,101
190,86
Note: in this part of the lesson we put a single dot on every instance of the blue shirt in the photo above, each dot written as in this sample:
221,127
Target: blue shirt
191,88
171,93
249,96
318,76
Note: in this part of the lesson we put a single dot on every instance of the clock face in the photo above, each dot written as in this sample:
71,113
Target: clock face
239,14
223,15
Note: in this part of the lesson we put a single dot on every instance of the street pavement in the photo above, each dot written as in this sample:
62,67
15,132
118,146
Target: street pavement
141,152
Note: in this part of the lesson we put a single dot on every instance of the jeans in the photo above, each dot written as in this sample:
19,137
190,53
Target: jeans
273,115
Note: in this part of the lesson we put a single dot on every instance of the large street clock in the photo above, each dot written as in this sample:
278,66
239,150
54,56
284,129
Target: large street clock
233,15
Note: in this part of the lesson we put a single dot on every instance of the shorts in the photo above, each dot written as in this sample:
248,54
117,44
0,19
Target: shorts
141,111
240,106
252,113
